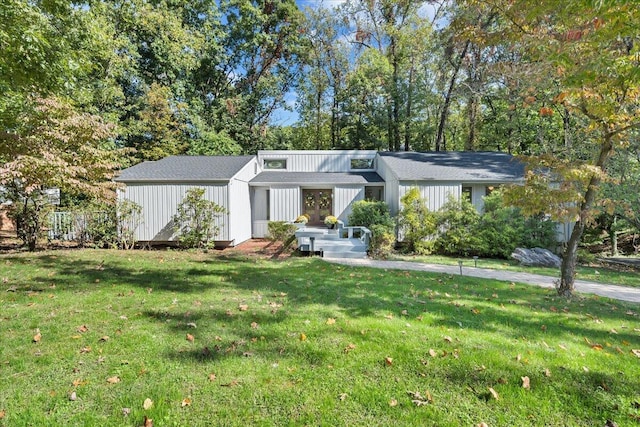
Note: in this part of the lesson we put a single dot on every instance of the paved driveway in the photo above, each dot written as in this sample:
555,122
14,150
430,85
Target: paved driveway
610,291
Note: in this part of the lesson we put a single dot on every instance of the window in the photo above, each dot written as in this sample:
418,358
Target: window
373,193
268,205
361,163
275,163
467,193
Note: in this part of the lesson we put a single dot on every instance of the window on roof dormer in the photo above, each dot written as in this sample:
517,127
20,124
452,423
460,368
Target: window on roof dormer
361,164
275,163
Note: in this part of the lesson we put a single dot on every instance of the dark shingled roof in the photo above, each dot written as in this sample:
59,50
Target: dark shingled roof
464,166
186,168
316,178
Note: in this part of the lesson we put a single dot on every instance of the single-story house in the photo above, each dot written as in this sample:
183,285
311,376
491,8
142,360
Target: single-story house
281,185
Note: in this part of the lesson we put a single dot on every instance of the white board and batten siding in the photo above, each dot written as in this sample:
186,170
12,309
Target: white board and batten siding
260,211
159,202
343,199
238,225
436,194
285,203
391,192
316,161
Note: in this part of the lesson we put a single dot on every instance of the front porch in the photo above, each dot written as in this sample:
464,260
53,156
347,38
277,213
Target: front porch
341,242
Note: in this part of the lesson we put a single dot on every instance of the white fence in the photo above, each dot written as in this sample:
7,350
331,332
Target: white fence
72,225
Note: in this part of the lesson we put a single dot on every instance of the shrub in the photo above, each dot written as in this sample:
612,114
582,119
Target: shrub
416,222
281,231
457,223
382,241
501,229
195,221
367,213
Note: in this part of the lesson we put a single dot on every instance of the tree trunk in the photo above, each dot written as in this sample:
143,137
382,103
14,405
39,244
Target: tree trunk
444,113
570,256
407,121
613,234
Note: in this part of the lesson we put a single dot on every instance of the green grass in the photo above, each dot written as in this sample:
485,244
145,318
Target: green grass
599,274
301,342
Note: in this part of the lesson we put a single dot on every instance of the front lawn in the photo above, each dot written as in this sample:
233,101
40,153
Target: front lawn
601,274
196,339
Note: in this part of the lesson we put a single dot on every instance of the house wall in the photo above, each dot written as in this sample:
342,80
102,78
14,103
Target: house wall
159,202
343,199
391,191
285,203
260,211
317,161
239,204
436,194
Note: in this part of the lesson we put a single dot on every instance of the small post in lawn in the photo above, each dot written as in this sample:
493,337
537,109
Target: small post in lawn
475,261
460,265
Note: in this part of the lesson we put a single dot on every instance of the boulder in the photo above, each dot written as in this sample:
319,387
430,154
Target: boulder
536,257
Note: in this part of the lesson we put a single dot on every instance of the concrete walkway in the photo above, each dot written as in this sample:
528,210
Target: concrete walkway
610,291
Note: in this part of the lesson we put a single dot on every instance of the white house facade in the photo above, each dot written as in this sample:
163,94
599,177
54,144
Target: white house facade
281,185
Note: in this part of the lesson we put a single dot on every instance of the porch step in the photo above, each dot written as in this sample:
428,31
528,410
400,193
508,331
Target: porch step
341,248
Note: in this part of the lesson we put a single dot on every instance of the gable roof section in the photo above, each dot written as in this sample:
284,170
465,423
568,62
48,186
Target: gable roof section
186,169
319,178
463,166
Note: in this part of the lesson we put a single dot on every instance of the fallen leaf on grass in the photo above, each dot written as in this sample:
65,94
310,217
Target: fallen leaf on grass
186,402
231,384
86,349
547,372
448,339
393,403
526,383
113,380
331,321
191,324
190,338
37,337
83,328
104,338
3,413
342,396
148,403
636,352
78,382
420,400
254,325
212,377
243,307
303,337
350,347
148,422
494,393
126,411
433,353
388,361
596,347
73,396
482,425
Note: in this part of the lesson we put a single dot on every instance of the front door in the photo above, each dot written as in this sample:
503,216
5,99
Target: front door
317,204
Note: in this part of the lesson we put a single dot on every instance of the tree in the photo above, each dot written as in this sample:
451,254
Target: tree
55,146
591,48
